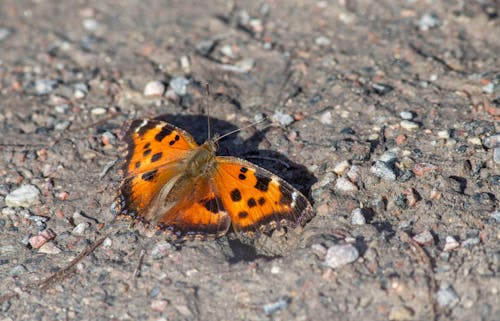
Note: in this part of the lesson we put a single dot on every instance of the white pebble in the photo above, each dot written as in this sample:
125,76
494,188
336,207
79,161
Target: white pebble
322,41
326,118
90,24
407,115
80,228
475,141
179,85
24,196
384,171
444,134
447,297
49,248
154,88
246,64
409,125
341,167
282,118
340,255
451,244
492,141
496,155
357,217
98,111
424,238
345,186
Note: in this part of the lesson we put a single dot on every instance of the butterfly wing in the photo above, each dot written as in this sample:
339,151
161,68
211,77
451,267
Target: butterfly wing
155,156
256,199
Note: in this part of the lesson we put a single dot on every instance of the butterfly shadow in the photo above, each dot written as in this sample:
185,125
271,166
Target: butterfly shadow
297,175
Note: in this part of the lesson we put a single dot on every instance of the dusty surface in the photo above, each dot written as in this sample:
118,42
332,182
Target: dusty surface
344,70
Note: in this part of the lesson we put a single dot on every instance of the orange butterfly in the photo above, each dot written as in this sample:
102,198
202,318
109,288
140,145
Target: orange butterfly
184,188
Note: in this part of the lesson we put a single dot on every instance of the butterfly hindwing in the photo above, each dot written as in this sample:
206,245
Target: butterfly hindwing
256,199
154,154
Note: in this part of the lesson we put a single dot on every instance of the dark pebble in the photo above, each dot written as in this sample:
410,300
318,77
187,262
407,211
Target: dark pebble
205,47
406,175
154,292
418,153
457,184
316,98
484,198
494,180
348,131
461,149
381,89
4,261
401,201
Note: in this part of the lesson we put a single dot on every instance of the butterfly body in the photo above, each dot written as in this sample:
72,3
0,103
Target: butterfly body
184,188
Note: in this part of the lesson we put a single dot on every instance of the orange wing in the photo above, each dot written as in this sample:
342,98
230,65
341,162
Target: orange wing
256,199
156,150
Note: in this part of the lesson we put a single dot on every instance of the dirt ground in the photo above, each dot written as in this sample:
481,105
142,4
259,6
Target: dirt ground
393,136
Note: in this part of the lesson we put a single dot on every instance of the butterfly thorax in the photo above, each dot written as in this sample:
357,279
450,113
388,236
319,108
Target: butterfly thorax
203,160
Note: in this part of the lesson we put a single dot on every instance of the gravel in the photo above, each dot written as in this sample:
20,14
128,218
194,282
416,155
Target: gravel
340,255
24,196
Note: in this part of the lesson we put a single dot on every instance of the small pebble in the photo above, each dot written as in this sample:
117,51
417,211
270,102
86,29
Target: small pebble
409,125
457,184
154,88
389,157
179,85
444,134
489,88
381,89
496,216
4,33
227,51
44,86
428,21
357,217
80,90
354,174
492,141
341,168
49,248
159,305
383,170
43,237
450,244
345,186
420,169
62,125
447,297
107,243
496,155
272,307
406,115
322,41
98,111
246,64
471,242
80,228
282,118
61,109
90,24
401,313
340,255
326,118
161,249
17,270
24,196
424,238
475,141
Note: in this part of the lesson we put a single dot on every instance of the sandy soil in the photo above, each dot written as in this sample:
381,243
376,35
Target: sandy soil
394,130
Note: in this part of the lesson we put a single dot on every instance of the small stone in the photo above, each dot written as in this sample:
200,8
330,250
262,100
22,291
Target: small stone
322,41
341,168
43,237
24,196
340,255
450,244
246,65
80,90
471,242
4,33
496,155
282,118
444,134
185,64
412,196
44,86
383,170
227,51
272,307
345,186
80,228
457,184
326,118
381,89
275,269
357,217
492,141
409,125
496,216
179,85
420,169
62,125
475,141
107,243
159,305
424,238
447,297
98,111
154,88
489,88
17,270
389,157
319,249
401,313
161,249
108,138
90,24
354,174
428,21
406,115
49,248
61,109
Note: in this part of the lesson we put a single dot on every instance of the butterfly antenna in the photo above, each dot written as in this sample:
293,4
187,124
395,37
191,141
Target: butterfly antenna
207,93
242,128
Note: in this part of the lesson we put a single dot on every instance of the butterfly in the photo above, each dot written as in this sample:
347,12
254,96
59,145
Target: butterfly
183,188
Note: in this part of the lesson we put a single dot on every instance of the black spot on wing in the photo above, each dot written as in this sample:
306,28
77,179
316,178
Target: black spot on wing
242,177
213,205
147,146
137,164
251,202
146,152
262,182
243,169
156,157
262,200
165,131
243,214
235,195
148,176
